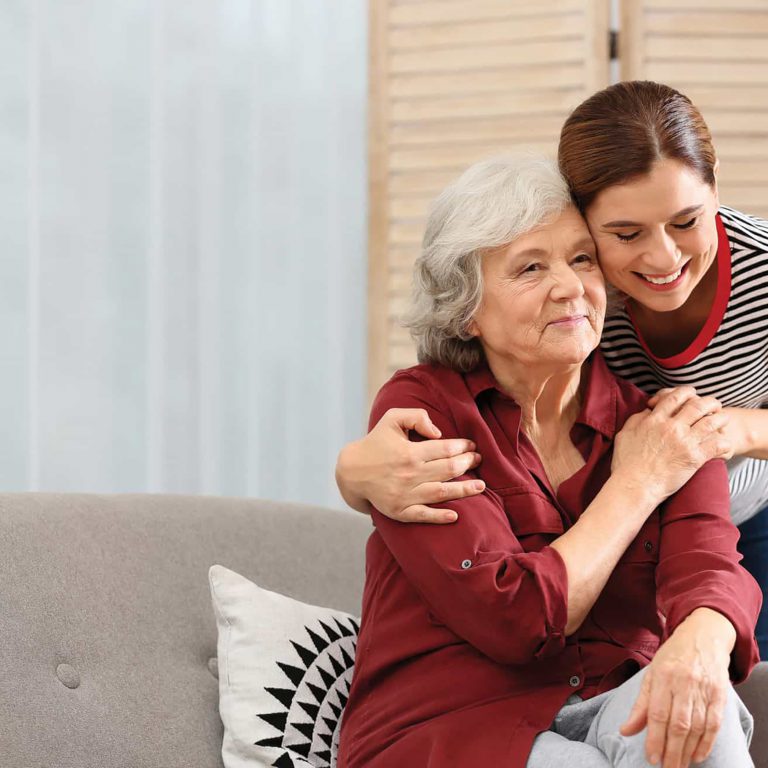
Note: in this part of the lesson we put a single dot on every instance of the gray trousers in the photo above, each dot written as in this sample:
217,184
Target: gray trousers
585,734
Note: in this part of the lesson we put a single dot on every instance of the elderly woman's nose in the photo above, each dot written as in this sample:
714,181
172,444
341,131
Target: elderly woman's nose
567,284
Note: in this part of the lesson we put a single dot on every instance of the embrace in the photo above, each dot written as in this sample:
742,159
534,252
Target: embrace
586,605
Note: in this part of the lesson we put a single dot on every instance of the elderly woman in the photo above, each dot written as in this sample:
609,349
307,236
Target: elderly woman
587,608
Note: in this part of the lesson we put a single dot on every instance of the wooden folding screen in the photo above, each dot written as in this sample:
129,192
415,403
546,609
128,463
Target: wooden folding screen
451,82
716,52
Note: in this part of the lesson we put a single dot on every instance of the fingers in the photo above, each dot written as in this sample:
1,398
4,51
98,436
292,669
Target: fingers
696,408
440,470
659,712
638,716
437,493
717,446
418,513
444,449
678,727
698,722
714,719
670,402
406,419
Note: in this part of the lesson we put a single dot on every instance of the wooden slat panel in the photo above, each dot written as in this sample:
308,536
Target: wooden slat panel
378,196
501,80
743,171
460,156
420,183
704,72
716,52
485,105
705,5
707,49
467,59
708,24
497,130
463,81
741,148
438,13
506,31
736,123
710,97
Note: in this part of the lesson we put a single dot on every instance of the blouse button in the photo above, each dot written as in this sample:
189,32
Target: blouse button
575,681
466,564
648,546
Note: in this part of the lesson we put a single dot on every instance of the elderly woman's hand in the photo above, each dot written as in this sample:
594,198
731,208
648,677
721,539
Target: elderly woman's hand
658,451
400,477
684,691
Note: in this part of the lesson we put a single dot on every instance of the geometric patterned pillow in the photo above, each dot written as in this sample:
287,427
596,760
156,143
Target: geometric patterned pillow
285,668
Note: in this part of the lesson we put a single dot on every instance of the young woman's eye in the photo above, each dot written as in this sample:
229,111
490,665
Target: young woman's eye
688,224
627,238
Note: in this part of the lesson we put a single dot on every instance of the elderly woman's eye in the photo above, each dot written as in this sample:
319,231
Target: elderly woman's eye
627,238
532,268
584,258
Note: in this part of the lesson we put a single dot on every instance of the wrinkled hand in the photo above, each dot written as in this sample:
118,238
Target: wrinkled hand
658,450
684,691
400,477
736,429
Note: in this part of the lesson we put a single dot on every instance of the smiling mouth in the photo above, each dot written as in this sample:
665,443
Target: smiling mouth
570,320
664,281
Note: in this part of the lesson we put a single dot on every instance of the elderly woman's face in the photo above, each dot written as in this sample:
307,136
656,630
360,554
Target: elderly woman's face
543,296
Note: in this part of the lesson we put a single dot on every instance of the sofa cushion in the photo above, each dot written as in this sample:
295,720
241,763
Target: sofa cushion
285,668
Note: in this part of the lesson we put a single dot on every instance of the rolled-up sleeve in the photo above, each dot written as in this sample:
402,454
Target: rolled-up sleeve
699,563
474,575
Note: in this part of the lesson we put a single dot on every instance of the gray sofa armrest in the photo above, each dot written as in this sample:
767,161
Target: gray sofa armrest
754,693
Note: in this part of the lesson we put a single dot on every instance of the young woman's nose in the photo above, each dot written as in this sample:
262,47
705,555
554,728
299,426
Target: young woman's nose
664,257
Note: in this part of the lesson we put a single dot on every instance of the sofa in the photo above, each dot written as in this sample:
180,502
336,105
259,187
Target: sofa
107,636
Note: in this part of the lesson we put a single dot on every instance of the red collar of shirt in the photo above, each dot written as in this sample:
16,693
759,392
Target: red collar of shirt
598,410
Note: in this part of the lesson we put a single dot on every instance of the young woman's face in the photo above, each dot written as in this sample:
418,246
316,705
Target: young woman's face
656,235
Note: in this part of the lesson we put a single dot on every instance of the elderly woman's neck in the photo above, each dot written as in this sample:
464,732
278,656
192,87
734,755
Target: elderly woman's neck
549,400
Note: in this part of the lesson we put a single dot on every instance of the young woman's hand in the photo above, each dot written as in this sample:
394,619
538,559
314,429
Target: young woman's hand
400,477
684,691
658,450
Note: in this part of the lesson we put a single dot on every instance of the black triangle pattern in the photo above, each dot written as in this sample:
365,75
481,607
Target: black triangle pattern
306,655
320,643
284,761
276,719
302,749
345,631
312,696
294,674
332,634
283,695
275,741
311,709
337,668
317,692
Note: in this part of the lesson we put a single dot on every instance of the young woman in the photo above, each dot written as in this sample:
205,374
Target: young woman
691,277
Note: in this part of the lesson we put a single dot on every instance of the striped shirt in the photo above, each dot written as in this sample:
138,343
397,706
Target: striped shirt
729,357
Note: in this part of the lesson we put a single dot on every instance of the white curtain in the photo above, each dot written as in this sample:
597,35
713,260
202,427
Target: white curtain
182,277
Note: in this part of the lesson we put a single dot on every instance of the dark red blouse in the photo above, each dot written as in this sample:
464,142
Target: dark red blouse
462,657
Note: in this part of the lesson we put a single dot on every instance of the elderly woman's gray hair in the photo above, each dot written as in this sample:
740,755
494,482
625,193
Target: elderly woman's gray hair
489,205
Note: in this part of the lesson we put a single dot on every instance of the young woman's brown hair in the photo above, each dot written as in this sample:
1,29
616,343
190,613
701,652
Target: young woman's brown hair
620,132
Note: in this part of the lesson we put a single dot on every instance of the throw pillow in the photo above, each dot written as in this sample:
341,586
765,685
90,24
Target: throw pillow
285,668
